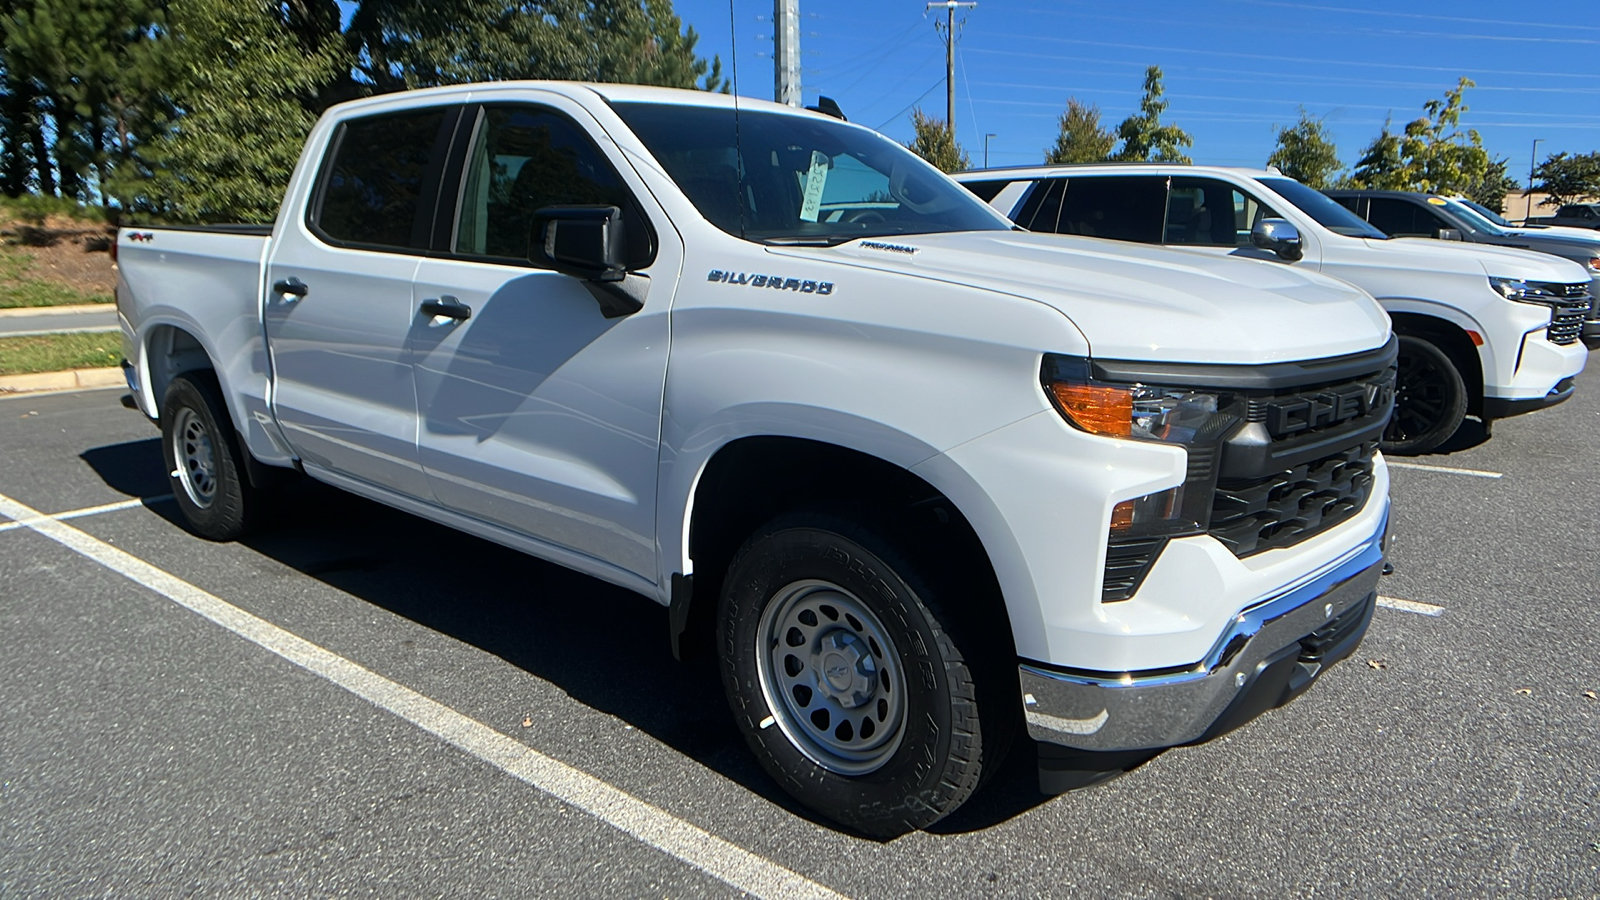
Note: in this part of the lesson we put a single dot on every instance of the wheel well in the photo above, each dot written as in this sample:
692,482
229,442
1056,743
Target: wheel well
1452,339
171,351
753,480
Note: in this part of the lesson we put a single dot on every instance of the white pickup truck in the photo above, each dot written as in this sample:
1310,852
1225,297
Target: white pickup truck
1489,331
917,477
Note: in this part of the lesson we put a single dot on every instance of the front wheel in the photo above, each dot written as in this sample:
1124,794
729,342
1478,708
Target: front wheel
848,681
1430,399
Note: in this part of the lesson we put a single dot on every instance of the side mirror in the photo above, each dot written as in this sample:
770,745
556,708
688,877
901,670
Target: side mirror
582,241
1449,234
1278,235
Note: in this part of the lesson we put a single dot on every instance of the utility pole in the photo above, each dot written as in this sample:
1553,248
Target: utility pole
986,148
1533,159
949,55
786,51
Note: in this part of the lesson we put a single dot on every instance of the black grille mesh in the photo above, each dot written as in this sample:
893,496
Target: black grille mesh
1285,508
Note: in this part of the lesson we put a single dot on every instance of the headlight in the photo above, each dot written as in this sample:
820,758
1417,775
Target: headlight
1522,291
1195,420
1593,263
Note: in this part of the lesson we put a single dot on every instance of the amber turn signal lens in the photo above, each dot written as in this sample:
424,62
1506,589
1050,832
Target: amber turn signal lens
1096,409
1122,516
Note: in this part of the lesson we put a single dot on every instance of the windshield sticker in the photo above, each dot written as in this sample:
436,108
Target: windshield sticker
1436,201
776,282
892,248
815,180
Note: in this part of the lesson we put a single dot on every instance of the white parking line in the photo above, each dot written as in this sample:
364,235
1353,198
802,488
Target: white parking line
649,824
1410,606
91,510
1448,470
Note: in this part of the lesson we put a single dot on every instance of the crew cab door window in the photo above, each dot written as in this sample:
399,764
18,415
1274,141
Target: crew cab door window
1209,212
525,158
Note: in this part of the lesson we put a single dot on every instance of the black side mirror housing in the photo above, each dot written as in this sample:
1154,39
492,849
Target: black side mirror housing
586,242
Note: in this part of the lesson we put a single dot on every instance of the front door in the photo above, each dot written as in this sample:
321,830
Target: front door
538,414
339,311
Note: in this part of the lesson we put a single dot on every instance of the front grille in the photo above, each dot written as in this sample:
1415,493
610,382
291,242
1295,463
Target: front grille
1250,515
1567,312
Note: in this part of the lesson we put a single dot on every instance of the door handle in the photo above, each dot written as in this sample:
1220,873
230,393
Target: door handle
447,306
291,286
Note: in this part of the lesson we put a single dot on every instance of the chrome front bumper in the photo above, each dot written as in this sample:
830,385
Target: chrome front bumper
1270,654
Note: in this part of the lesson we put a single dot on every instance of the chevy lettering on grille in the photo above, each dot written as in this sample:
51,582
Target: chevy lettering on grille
1292,415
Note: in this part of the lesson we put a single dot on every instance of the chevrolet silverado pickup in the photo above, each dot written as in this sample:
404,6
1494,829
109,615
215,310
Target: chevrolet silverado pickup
922,482
1487,331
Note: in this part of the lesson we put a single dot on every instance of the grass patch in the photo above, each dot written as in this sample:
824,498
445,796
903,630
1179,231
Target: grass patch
55,352
21,286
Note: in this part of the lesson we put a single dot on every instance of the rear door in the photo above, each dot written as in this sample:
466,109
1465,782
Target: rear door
339,312
538,413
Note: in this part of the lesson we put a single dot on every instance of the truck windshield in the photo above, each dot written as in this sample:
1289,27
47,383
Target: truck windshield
795,179
1325,210
1484,211
1475,219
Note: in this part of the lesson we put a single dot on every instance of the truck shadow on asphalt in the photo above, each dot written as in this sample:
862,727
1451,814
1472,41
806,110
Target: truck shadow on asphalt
606,647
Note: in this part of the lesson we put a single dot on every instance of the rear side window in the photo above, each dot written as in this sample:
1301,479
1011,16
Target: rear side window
1402,218
1121,208
373,181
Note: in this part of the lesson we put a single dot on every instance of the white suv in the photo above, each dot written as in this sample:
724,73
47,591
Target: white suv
1488,331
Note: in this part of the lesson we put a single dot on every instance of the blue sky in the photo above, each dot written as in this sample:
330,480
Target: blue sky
1234,70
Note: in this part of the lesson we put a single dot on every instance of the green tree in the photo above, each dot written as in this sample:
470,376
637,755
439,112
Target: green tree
242,92
1491,190
1568,178
398,44
1082,139
1439,157
935,142
82,80
1380,166
1143,135
1305,153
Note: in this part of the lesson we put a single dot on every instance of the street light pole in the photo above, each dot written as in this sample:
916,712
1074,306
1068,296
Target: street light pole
986,149
1532,159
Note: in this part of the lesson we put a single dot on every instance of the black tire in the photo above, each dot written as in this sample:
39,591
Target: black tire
883,713
205,463
1430,399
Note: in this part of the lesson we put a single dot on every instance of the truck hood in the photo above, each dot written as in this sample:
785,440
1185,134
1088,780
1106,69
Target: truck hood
1144,303
1473,259
1587,235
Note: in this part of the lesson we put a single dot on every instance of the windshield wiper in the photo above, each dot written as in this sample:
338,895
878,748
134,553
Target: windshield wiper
810,241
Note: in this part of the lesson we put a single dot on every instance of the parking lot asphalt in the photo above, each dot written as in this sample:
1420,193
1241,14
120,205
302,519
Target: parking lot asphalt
360,702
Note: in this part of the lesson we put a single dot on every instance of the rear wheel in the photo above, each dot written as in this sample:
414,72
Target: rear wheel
849,682
205,463
1430,399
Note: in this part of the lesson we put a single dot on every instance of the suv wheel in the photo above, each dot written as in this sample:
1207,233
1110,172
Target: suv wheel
1430,399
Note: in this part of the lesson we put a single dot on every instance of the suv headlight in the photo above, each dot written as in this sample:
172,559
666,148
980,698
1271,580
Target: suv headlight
1524,291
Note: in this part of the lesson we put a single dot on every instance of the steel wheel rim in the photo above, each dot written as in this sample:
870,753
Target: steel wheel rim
194,462
831,677
1420,398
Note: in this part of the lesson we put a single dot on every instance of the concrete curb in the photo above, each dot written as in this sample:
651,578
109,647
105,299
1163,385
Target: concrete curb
55,310
70,380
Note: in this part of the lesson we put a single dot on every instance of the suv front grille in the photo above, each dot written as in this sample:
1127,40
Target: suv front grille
1567,312
1250,515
